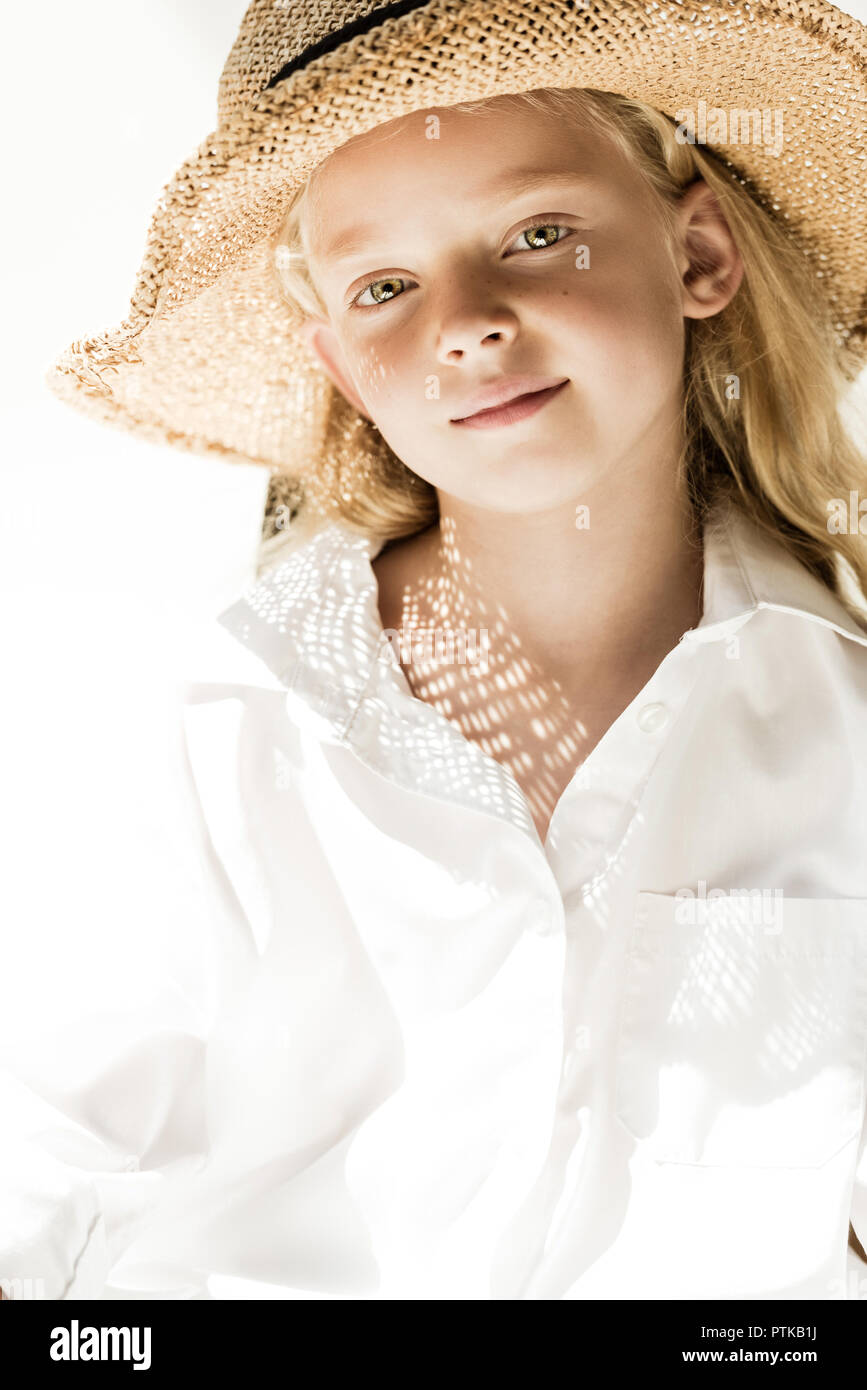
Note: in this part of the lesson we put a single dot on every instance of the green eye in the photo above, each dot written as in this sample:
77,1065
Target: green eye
380,297
544,228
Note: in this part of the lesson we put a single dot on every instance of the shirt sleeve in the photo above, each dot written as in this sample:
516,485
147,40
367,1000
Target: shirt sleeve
53,1238
108,1000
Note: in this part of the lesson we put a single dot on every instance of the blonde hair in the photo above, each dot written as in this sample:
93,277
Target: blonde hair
780,448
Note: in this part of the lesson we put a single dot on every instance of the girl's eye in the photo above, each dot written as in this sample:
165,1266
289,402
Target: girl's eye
384,290
538,235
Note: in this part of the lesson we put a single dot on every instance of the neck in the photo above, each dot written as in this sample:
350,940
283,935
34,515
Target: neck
608,594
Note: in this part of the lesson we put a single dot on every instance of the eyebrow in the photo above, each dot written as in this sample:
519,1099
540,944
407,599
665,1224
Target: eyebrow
356,238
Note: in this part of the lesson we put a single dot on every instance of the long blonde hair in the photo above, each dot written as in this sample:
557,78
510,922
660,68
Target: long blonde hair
780,447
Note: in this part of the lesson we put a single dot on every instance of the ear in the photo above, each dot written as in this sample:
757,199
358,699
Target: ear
710,263
323,346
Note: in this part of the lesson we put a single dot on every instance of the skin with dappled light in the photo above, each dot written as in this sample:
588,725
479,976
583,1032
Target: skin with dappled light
513,255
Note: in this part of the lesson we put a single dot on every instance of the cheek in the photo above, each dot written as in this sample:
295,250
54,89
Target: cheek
386,377
624,330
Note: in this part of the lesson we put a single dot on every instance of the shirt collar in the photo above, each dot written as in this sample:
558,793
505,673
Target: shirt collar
312,621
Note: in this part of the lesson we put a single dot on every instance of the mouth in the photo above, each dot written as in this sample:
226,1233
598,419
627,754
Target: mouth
519,408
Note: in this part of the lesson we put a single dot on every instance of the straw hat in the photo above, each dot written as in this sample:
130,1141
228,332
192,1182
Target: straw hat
209,357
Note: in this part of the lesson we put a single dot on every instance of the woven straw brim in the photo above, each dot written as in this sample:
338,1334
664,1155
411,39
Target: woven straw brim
209,358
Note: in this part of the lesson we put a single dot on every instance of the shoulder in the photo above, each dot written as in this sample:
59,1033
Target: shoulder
803,677
850,673
820,671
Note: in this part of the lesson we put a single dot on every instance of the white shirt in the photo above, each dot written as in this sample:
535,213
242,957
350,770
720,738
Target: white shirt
410,1051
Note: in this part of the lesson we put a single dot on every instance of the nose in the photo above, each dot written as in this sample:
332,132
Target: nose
471,324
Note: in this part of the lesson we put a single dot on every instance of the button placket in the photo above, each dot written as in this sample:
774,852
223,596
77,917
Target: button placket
597,810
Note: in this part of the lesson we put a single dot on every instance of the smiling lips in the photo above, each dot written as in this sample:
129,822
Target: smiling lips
515,407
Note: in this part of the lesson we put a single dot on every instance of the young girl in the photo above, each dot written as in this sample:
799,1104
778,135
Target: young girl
532,769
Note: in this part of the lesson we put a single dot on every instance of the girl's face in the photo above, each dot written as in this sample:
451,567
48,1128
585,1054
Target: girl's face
452,250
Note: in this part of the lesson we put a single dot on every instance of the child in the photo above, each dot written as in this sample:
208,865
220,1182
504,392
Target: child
533,767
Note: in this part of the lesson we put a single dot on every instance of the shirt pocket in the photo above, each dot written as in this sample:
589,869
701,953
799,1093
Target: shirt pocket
742,1040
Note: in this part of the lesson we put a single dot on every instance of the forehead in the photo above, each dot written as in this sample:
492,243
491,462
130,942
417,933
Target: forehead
478,158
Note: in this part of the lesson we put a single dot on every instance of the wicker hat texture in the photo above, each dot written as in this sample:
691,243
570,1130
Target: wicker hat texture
209,357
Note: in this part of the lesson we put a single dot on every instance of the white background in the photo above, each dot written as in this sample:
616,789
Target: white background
107,543
106,540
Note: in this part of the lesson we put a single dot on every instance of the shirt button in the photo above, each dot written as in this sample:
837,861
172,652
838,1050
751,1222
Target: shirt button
652,717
